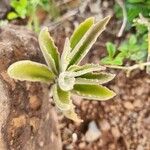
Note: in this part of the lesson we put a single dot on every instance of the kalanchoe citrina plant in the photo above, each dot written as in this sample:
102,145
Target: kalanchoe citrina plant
64,72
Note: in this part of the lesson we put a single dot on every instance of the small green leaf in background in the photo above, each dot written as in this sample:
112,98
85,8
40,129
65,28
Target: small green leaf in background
112,58
20,9
135,1
111,49
30,71
132,40
12,15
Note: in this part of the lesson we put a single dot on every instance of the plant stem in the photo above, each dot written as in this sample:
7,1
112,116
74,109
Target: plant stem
122,5
129,68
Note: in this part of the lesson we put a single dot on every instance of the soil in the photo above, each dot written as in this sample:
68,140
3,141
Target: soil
122,121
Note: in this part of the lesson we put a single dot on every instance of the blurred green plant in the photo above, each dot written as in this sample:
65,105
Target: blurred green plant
64,73
131,49
28,9
135,46
133,9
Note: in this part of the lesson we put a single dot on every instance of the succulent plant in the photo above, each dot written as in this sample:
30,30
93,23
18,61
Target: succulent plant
64,73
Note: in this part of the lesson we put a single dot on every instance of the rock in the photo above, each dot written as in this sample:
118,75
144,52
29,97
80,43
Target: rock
19,121
140,147
18,43
93,133
128,105
34,123
115,132
74,137
34,102
82,145
138,103
4,7
105,126
4,110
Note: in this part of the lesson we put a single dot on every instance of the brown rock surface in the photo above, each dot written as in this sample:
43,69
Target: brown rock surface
20,129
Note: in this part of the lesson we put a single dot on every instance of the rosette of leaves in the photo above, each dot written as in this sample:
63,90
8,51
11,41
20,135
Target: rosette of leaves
64,72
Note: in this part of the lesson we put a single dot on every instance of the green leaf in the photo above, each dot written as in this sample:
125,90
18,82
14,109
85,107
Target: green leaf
30,71
106,60
65,53
80,31
95,78
132,40
61,98
135,1
95,92
111,48
12,15
76,71
72,115
118,60
84,45
49,50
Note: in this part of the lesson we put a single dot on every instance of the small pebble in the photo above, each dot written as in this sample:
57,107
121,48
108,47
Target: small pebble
138,103
128,105
82,145
93,133
105,126
115,132
34,102
140,147
74,137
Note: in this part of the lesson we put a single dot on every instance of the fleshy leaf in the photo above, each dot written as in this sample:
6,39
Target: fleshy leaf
49,50
84,45
95,78
81,70
65,53
61,98
30,71
66,81
80,31
72,115
95,92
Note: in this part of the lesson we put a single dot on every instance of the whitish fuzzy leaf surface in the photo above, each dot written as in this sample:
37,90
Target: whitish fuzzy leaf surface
81,70
71,114
95,92
61,98
84,45
95,78
30,71
80,31
64,60
49,50
65,81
